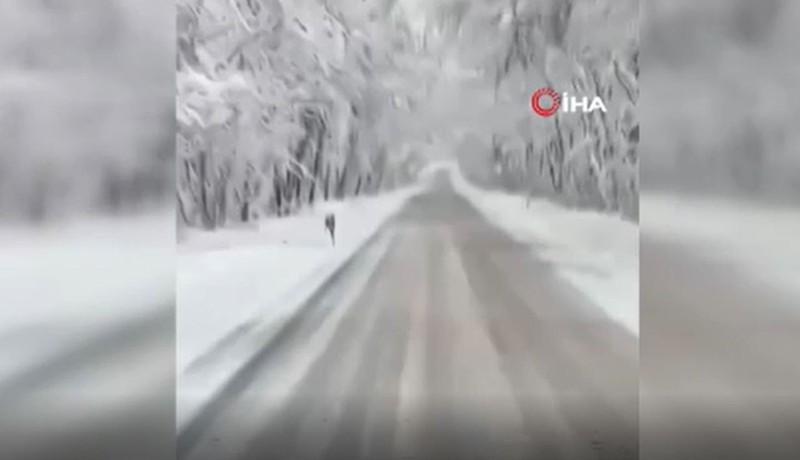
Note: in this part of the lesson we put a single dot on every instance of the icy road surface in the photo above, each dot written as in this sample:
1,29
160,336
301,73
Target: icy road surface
443,339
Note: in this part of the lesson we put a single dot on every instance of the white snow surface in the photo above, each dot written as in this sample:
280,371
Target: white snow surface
759,239
233,279
595,252
62,286
228,277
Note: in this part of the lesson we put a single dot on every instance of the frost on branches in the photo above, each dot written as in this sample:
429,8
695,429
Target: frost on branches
282,103
277,108
86,114
583,47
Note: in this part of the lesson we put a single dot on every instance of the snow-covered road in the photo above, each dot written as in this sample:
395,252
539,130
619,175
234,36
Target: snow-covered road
87,338
231,277
444,338
720,329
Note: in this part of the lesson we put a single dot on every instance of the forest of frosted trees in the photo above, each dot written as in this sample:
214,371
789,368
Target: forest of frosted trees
586,48
282,104
718,104
86,118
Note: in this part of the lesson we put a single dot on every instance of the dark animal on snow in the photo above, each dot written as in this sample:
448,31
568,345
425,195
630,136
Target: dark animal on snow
330,226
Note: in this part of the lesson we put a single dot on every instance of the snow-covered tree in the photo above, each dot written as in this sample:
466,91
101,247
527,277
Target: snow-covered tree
583,47
86,117
718,116
280,104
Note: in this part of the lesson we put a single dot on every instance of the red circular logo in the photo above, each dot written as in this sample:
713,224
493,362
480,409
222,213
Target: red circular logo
536,101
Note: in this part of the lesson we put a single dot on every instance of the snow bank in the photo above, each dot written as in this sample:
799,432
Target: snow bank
595,252
762,240
228,277
63,286
231,279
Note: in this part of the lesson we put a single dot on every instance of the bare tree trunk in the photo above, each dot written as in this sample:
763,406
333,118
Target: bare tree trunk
277,191
340,186
244,214
207,220
326,182
182,209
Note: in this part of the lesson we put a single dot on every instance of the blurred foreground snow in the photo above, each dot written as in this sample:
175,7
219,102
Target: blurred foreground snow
761,240
67,285
87,229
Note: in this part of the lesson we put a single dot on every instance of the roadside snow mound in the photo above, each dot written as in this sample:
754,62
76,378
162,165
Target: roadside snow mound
230,280
762,240
65,286
597,253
